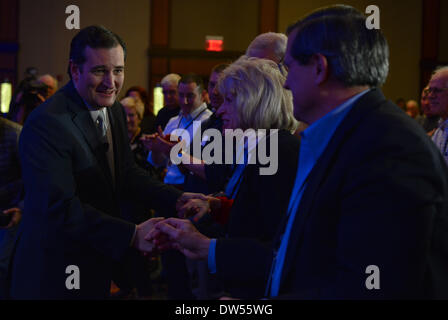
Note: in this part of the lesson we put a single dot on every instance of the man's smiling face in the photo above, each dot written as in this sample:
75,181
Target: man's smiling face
100,78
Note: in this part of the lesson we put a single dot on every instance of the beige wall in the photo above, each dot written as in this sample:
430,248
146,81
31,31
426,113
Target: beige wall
192,20
443,48
401,22
45,41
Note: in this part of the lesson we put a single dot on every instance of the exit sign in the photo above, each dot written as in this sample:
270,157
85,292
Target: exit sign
214,43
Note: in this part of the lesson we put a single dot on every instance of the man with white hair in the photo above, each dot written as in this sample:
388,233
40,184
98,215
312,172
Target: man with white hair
272,46
171,100
438,101
268,45
51,82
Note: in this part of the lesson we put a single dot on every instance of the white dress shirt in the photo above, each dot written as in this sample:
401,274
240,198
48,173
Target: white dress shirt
181,121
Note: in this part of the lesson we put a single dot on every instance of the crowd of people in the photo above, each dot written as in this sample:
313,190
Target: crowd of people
323,179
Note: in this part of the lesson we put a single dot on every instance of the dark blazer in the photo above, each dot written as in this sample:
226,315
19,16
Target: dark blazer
72,214
10,173
11,192
378,195
258,209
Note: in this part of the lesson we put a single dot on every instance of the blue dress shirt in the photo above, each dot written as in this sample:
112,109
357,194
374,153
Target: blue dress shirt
314,141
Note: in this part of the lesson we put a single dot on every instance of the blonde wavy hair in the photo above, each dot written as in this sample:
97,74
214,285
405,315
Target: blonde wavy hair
137,104
260,99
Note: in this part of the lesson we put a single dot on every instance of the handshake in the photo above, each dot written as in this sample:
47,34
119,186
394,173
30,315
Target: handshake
160,234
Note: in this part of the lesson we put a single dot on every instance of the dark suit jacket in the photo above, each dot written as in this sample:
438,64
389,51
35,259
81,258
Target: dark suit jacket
258,209
72,214
378,195
10,173
11,191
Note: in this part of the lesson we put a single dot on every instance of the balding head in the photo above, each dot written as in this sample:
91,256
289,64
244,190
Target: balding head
270,45
412,108
51,82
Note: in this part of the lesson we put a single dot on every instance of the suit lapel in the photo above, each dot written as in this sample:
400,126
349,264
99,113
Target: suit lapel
115,114
83,121
362,107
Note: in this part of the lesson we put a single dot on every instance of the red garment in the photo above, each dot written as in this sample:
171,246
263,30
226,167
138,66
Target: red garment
221,215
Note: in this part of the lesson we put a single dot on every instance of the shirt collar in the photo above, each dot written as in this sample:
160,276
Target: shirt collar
320,132
195,112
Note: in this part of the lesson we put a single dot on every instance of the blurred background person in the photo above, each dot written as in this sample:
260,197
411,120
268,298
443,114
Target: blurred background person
170,99
413,110
28,95
33,93
438,104
148,120
134,110
11,194
268,45
430,119
401,103
272,46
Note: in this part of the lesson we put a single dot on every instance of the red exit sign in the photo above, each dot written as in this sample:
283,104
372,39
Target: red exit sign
214,43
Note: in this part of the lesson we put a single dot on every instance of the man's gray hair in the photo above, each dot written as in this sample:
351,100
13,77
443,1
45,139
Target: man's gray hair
268,41
172,78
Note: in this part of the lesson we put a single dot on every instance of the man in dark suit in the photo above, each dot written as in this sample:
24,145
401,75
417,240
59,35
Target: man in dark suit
367,216
77,170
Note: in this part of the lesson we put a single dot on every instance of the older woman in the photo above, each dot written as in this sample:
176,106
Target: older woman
148,118
254,98
134,109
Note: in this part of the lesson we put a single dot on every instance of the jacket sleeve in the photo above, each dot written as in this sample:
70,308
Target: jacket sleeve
51,202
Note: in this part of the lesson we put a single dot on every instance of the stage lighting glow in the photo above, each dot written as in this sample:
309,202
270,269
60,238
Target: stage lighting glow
5,96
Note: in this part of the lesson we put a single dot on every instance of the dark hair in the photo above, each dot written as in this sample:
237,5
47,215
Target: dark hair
94,37
193,78
220,68
356,55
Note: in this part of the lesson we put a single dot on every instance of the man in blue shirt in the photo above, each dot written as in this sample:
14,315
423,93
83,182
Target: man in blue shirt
367,216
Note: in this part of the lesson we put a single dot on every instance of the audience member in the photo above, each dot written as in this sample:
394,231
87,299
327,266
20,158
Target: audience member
413,111
254,98
430,120
268,45
50,82
438,104
401,103
171,100
148,121
371,190
272,46
193,109
134,110
198,181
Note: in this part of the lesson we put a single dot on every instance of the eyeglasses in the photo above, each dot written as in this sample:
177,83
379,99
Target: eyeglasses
434,90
